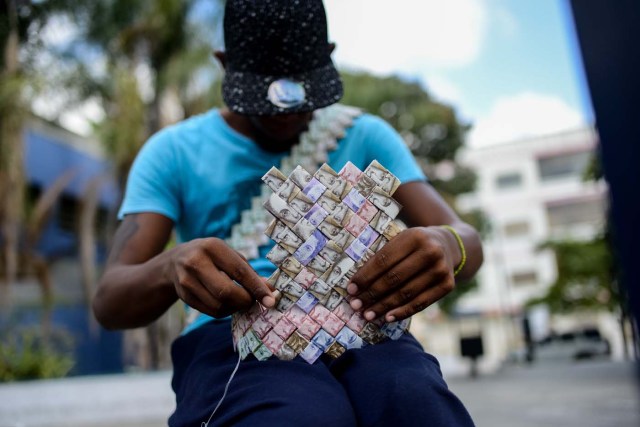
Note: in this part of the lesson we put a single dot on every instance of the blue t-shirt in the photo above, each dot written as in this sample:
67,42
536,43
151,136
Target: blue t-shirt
202,174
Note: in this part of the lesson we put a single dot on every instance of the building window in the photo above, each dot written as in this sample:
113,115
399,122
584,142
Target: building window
516,229
576,212
509,180
523,278
563,165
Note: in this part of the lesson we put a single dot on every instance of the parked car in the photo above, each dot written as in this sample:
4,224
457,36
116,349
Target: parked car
586,343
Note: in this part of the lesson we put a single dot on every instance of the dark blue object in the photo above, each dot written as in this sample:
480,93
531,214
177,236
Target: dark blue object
609,33
394,383
48,157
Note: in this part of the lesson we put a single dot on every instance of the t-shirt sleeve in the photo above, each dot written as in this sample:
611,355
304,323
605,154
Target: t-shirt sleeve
386,146
152,185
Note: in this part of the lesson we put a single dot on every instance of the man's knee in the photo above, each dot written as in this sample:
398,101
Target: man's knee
291,394
400,384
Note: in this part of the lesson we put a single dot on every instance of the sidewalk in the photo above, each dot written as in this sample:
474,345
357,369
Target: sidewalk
131,400
563,394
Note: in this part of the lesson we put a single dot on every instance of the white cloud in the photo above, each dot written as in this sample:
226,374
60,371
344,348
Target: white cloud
505,21
524,115
384,37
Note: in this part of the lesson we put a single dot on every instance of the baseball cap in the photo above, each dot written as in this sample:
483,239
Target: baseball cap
277,57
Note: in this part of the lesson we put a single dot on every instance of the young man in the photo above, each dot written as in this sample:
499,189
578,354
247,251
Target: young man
200,174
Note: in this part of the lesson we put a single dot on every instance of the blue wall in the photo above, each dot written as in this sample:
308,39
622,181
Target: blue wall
46,158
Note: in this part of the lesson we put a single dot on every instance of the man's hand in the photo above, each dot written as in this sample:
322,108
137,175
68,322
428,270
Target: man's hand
203,272
411,272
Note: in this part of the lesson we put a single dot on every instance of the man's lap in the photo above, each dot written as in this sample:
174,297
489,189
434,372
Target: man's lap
360,388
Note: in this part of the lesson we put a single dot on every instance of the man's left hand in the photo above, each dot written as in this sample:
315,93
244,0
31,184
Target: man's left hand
411,272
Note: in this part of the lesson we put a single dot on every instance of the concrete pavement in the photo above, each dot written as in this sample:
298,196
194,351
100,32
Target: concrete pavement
562,393
130,400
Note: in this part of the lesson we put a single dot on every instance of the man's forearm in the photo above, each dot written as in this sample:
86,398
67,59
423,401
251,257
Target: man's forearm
135,295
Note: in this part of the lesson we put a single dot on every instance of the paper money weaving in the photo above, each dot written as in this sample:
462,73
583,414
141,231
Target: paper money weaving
326,226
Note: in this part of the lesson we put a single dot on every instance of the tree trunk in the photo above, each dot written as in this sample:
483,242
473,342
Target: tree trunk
11,161
87,244
38,219
87,237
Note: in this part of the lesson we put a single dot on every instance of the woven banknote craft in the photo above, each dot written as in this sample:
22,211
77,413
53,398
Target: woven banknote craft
326,226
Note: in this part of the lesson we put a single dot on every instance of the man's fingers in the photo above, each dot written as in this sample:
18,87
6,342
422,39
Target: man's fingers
388,282
418,294
419,303
399,297
238,269
380,263
265,281
196,295
224,290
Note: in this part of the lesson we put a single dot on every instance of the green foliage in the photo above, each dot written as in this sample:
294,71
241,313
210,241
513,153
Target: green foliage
478,220
12,113
130,36
593,171
587,271
433,133
27,355
586,277
29,18
431,128
462,181
123,134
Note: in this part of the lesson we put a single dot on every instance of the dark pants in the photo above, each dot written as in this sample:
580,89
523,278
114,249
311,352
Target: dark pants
394,383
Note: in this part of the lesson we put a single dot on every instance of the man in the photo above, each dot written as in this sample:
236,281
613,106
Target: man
199,175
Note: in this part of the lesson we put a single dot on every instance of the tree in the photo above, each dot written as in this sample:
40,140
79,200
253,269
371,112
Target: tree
155,54
20,24
586,276
431,130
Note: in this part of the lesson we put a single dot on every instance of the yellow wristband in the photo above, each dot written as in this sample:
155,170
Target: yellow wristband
463,252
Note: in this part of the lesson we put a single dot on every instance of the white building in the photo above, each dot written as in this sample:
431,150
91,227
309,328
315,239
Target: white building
531,190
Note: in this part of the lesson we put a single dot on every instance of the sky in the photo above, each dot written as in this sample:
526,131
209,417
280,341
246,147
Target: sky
510,68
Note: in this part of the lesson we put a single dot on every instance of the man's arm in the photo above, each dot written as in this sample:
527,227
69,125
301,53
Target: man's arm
416,268
141,281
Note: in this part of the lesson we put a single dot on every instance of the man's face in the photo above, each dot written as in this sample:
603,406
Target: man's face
281,132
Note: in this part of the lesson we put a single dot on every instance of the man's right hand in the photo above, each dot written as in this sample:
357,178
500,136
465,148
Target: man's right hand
142,280
214,279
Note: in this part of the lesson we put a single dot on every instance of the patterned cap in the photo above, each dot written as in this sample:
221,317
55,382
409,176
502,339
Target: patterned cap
277,57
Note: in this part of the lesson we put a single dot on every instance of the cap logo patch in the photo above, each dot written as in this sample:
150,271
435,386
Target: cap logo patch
285,93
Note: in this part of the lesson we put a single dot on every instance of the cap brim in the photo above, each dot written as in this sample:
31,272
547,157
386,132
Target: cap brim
247,93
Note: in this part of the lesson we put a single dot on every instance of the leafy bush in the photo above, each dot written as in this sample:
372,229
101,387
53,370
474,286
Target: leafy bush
29,354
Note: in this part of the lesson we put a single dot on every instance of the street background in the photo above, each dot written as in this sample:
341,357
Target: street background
550,393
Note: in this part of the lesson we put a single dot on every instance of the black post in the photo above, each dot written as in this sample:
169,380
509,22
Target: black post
609,37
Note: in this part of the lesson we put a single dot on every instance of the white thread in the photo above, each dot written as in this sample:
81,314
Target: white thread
226,388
